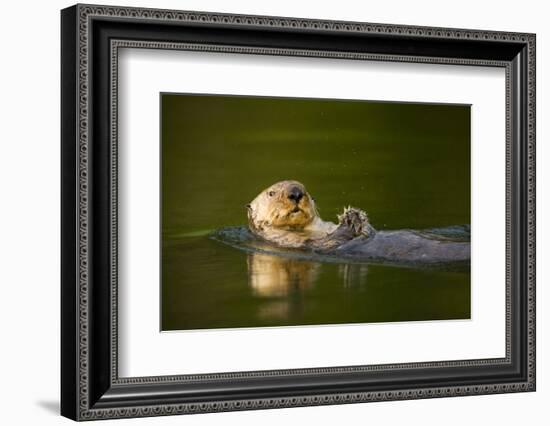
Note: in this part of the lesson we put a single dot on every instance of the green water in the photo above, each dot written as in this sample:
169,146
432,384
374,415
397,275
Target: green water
407,165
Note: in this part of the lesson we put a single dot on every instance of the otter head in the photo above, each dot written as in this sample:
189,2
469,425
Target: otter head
284,205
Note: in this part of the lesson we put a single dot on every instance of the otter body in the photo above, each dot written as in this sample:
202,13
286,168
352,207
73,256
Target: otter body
285,214
405,246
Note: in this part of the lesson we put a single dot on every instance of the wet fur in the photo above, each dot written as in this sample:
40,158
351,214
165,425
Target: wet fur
276,218
272,216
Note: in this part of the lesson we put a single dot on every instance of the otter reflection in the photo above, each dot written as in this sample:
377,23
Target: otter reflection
282,282
276,276
353,275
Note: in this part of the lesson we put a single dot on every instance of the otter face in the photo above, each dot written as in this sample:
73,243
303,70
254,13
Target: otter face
284,205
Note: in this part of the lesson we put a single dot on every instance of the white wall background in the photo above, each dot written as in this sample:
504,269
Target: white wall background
29,211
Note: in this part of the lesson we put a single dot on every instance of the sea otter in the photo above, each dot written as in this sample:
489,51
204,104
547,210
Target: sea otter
285,214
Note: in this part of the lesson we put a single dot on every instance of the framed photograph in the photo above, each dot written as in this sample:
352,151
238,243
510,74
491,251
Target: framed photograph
263,212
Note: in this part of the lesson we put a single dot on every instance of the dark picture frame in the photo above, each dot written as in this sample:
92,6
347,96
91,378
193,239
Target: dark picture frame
90,38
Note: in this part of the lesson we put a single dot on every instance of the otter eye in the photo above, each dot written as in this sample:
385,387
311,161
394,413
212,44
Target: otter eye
271,193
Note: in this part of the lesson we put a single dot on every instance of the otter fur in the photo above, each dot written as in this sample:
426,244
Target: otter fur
285,214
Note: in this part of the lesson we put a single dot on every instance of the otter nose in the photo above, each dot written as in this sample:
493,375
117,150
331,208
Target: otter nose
295,194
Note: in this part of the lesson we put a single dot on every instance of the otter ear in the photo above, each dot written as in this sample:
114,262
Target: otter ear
248,207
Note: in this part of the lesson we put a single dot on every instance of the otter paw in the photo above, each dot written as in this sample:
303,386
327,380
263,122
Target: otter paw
355,220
